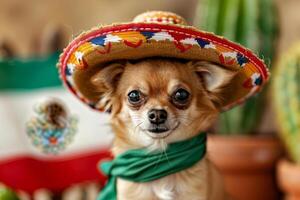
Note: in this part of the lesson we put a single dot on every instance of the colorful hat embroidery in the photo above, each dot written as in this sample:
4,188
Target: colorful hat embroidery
161,34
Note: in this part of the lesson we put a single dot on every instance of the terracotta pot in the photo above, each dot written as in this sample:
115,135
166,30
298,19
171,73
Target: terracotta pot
247,165
288,177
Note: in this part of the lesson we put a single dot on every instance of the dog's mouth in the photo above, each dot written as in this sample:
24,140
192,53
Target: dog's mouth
160,132
158,129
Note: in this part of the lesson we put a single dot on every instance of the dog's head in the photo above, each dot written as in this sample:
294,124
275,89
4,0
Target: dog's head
157,101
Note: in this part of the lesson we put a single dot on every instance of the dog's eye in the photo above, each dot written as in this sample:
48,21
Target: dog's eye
181,96
134,96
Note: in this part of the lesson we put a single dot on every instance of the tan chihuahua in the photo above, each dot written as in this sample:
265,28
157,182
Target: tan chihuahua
157,101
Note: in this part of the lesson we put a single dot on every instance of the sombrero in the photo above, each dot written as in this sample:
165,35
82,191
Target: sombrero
161,34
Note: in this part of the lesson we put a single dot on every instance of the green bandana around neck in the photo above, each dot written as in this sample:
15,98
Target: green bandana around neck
140,165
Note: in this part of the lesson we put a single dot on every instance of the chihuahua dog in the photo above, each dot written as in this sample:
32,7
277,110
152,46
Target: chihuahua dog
157,101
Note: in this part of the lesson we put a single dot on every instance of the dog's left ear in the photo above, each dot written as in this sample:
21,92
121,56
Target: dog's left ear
214,79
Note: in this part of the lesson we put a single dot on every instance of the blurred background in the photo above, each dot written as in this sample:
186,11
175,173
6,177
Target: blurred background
255,146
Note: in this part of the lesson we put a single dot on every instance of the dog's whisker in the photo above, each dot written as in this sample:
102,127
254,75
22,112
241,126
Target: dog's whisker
157,162
135,128
191,122
166,155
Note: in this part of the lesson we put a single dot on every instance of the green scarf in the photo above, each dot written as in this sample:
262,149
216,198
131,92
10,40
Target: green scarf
140,165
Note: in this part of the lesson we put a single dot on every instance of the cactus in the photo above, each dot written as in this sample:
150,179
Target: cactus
251,23
286,93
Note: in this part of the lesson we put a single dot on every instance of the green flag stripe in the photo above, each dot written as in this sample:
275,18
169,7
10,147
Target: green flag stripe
18,74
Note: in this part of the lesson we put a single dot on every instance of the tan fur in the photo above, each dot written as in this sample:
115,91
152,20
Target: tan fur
157,79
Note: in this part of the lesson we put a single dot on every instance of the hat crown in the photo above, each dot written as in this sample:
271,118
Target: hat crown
162,17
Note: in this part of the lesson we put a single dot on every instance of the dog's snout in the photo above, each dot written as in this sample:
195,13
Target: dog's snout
157,116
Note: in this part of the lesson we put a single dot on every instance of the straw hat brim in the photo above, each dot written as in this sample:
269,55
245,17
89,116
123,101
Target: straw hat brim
143,40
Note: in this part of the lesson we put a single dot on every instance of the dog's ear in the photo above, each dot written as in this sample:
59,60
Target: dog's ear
105,83
214,78
108,77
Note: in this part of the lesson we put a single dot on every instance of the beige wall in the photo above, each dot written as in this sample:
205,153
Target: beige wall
22,22
289,11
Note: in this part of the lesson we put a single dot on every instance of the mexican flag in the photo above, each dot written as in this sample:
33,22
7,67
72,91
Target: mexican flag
23,83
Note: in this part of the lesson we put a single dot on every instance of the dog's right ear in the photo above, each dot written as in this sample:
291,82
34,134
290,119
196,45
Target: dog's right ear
105,83
108,77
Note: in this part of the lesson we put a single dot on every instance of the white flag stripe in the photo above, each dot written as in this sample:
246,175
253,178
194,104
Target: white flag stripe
16,108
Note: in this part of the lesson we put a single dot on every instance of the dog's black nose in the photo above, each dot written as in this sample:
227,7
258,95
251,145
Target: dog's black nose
157,116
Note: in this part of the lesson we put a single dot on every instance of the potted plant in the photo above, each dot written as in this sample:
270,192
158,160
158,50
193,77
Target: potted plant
287,105
245,157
